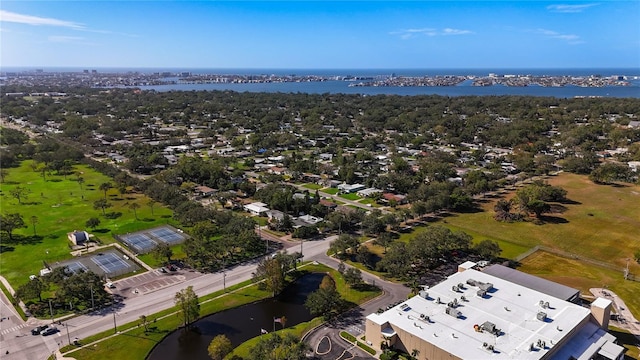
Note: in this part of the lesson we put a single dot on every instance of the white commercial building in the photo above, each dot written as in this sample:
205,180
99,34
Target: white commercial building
475,315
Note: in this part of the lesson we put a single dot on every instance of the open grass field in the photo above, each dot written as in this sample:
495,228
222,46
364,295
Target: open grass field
312,186
330,191
601,223
61,206
351,196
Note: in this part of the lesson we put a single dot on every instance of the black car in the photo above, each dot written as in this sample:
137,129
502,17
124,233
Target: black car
39,329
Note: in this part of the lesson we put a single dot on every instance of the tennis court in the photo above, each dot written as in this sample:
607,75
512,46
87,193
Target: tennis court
110,262
166,235
145,241
76,267
141,243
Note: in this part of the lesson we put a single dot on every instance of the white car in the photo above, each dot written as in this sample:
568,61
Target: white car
110,285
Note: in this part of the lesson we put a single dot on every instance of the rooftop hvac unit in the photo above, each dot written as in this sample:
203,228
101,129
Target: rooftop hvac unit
481,293
542,316
471,282
454,288
485,286
460,286
423,294
491,328
453,312
425,317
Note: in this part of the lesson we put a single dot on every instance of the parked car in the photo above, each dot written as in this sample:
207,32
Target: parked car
49,331
110,285
37,330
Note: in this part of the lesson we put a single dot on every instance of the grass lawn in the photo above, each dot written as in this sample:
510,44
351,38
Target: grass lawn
351,196
61,206
369,201
312,186
330,191
602,222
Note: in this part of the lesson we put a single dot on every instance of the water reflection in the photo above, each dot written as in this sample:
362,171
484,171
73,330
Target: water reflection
239,324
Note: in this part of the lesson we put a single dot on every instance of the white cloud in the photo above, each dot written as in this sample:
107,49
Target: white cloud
449,31
569,38
7,16
64,39
566,8
409,33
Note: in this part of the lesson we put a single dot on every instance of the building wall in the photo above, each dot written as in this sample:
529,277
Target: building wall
406,342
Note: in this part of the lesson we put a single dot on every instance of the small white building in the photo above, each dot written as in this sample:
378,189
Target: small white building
256,208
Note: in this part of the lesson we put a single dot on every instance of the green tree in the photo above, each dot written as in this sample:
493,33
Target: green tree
325,301
219,347
188,305
134,207
353,276
488,249
163,251
31,290
385,239
101,204
270,275
34,221
20,193
279,347
144,322
105,187
151,204
11,222
92,223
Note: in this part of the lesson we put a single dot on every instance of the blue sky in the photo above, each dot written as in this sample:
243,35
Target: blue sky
320,34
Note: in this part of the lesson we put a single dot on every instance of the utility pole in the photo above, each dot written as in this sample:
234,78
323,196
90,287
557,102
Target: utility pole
51,310
68,337
93,306
115,328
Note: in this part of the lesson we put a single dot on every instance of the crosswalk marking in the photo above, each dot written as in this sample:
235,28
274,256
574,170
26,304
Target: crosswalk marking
6,331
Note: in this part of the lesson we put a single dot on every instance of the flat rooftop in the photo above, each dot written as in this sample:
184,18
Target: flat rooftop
512,308
543,285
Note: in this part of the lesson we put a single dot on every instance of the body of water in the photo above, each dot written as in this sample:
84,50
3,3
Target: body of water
239,324
342,87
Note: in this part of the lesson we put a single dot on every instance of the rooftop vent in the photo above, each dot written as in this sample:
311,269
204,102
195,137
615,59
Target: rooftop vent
453,312
491,327
425,317
454,288
460,286
541,315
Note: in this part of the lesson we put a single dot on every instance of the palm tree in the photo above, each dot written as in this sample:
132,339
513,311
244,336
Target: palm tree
34,221
105,187
134,207
151,203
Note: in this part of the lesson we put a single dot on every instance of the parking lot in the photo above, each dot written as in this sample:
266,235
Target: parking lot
151,281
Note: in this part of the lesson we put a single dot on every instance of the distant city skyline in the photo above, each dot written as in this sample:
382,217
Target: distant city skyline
319,34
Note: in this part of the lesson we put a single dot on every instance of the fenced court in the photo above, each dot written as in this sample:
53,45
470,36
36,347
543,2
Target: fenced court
144,241
76,267
108,262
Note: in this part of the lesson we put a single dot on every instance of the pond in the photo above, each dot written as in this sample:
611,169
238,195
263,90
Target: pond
239,324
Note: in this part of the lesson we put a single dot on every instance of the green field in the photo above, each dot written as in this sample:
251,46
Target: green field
601,223
61,206
312,186
330,191
351,196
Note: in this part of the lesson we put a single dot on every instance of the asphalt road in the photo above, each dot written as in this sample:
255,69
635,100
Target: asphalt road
21,345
